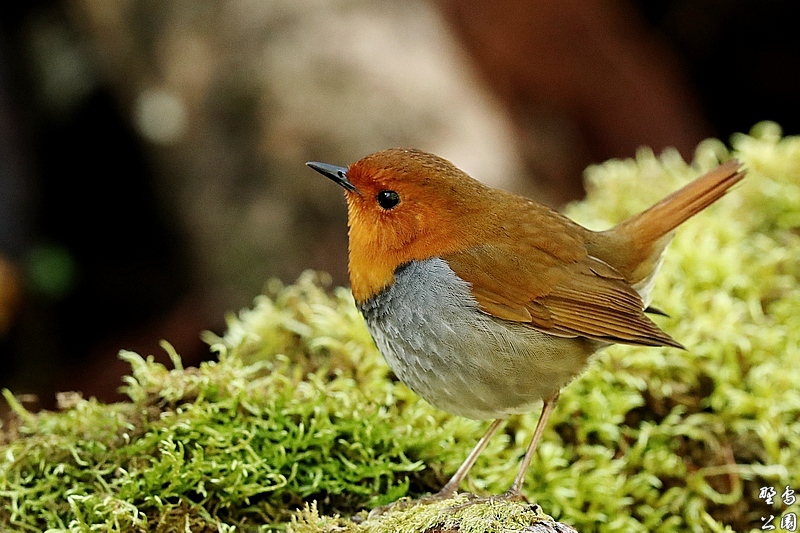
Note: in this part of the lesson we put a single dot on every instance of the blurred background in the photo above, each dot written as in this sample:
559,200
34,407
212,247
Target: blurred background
151,153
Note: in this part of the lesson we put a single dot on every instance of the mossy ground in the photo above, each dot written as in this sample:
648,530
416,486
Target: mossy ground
300,408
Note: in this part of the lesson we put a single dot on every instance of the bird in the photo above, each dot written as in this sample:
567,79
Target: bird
485,303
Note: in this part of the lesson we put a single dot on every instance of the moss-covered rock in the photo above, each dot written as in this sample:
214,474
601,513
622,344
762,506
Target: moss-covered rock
300,408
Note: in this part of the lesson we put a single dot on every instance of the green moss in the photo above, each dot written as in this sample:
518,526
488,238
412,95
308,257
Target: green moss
459,513
299,406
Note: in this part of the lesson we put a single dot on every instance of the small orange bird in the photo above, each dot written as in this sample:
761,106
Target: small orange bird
484,302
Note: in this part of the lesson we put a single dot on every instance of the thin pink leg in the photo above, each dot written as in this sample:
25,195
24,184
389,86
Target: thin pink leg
515,492
452,486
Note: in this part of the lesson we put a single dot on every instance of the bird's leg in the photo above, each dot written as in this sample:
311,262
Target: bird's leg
452,486
515,492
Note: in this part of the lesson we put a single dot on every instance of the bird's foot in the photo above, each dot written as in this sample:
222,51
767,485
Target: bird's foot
405,503
462,500
508,496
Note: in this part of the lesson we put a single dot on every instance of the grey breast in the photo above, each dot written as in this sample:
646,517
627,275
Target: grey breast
429,329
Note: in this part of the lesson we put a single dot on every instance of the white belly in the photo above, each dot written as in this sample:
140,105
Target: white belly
433,336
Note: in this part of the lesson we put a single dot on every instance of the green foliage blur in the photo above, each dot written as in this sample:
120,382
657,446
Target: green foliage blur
300,408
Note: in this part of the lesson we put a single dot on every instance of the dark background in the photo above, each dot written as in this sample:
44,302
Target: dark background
102,246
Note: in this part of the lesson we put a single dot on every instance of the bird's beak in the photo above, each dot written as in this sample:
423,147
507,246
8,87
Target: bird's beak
337,174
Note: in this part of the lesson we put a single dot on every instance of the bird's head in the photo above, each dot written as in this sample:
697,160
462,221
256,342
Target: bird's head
404,205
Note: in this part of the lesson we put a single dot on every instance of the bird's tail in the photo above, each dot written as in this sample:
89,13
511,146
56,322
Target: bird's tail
652,224
639,241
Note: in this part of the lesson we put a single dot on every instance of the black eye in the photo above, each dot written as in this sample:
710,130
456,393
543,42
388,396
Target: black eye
387,199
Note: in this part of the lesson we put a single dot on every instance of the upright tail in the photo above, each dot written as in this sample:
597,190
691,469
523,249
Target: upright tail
652,224
637,243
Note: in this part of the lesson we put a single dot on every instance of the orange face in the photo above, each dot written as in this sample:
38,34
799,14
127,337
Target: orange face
405,205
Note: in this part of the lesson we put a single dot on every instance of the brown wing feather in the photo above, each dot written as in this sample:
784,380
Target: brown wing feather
582,297
605,309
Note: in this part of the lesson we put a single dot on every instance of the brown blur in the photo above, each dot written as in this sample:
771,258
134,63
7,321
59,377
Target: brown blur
152,153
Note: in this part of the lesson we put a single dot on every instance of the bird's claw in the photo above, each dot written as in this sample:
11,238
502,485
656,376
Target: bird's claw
471,499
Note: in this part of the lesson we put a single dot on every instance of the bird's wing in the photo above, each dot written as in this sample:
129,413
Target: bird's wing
556,288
